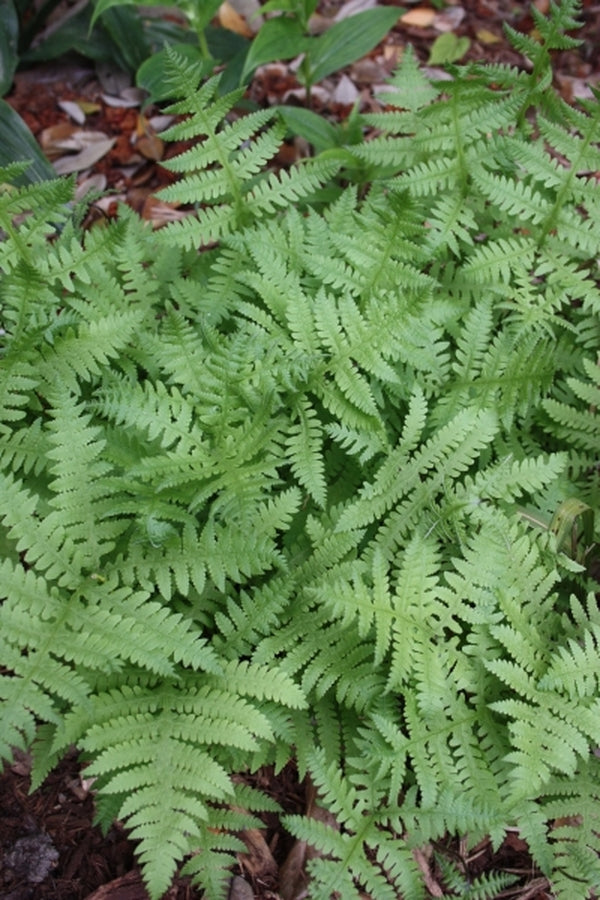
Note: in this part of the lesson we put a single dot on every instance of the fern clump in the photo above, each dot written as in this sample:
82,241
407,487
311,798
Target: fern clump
325,489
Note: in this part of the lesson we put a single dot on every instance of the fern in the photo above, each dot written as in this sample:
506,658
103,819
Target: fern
225,171
581,424
300,494
484,887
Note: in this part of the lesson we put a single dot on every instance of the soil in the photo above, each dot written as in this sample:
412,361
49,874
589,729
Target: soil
50,849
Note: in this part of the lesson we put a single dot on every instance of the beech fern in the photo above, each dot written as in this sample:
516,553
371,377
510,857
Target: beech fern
293,495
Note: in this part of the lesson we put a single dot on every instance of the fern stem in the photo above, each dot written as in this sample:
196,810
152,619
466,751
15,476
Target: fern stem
565,189
15,237
462,168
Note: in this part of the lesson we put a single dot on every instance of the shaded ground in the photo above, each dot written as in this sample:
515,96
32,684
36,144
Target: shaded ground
122,140
52,851
49,848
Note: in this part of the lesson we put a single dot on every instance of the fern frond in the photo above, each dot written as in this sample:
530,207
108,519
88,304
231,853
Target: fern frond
290,495
580,425
225,171
360,855
495,262
451,449
304,445
485,887
410,88
42,207
576,667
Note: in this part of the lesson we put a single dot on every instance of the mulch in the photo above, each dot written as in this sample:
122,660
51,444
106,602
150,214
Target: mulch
50,848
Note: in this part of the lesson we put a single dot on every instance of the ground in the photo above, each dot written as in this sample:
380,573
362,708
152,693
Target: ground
50,848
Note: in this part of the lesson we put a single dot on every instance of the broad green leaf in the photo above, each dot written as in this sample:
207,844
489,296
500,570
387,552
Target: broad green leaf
74,34
100,6
203,12
127,33
9,33
314,128
301,9
17,143
153,74
225,45
231,79
448,48
349,40
280,38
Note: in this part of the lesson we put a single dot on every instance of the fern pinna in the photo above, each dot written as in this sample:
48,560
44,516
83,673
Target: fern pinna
294,495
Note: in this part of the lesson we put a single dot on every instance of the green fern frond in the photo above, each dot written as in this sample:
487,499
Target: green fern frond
304,445
410,88
580,425
575,669
211,860
562,18
451,224
42,208
225,171
149,751
513,197
324,489
494,263
430,177
485,887
451,449
346,856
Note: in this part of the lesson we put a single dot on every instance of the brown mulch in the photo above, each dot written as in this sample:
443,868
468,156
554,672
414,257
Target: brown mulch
49,847
51,850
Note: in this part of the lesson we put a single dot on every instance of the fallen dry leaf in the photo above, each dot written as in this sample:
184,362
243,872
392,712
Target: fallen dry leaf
53,138
73,110
351,7
258,861
293,880
160,213
160,123
124,102
448,19
368,71
94,145
233,21
487,37
420,17
240,889
573,89
318,93
95,183
148,142
345,92
249,10
151,147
